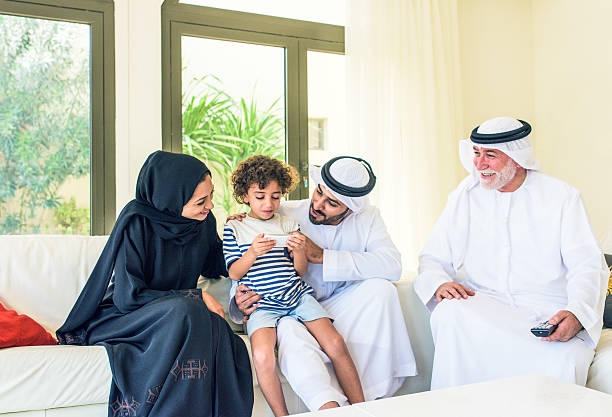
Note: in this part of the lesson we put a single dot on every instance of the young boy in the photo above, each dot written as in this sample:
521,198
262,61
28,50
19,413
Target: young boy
274,272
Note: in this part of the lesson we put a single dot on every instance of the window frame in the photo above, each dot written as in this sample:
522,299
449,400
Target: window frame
296,36
99,15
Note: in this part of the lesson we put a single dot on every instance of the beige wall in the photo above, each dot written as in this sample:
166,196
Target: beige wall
573,99
496,47
548,61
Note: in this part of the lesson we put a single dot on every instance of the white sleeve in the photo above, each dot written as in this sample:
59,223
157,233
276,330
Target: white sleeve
381,259
234,313
294,226
586,272
435,261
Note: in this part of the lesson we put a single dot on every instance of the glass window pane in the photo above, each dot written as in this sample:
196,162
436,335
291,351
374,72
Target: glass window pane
326,107
233,107
44,126
321,11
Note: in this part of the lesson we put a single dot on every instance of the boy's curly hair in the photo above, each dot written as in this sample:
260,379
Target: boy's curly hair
260,170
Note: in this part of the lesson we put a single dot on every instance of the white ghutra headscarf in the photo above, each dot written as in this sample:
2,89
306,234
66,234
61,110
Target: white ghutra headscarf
506,134
349,172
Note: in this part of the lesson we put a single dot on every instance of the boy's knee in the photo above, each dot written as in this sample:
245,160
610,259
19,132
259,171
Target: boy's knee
334,346
264,360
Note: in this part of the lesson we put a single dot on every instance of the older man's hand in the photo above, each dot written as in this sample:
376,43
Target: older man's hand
452,290
567,327
246,301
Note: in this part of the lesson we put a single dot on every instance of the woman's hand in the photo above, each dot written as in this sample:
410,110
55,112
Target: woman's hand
212,304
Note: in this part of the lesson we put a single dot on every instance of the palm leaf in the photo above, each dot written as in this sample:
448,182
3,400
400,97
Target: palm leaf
222,131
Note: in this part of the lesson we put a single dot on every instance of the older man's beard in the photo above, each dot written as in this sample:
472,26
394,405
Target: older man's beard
501,178
325,220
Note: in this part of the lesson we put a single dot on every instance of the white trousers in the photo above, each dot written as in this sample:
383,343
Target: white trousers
484,338
368,316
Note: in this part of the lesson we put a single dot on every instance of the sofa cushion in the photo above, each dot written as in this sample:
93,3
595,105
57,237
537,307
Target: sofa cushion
43,274
41,377
600,377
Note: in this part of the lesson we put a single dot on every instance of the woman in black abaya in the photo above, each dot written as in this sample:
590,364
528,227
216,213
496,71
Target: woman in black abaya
170,354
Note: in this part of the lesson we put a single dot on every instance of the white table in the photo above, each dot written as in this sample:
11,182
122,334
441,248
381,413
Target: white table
531,395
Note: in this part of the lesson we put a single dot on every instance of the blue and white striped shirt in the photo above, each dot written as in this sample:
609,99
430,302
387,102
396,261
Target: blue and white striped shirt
272,275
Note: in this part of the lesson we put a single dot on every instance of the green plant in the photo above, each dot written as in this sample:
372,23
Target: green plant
222,131
69,219
44,117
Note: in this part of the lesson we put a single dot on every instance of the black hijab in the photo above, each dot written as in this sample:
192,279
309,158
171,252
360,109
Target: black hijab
165,184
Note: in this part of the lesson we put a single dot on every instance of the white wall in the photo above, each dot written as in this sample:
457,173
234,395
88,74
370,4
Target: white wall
138,89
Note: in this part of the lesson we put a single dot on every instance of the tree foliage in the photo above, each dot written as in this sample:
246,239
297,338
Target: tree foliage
222,131
44,116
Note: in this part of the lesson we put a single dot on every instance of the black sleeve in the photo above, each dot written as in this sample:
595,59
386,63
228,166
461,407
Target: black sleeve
214,266
131,290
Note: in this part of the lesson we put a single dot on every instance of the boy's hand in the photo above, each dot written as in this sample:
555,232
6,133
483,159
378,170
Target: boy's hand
297,242
238,216
261,245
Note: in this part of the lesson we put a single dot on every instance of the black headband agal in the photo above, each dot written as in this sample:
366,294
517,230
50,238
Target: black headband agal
485,138
345,189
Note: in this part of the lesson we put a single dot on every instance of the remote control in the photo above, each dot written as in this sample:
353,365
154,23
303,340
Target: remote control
544,329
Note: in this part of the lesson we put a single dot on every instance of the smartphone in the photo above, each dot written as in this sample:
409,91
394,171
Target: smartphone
281,240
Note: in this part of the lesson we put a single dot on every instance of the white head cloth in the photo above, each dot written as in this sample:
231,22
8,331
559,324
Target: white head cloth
349,172
519,150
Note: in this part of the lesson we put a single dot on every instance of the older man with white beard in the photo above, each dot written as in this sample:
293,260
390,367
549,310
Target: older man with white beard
512,248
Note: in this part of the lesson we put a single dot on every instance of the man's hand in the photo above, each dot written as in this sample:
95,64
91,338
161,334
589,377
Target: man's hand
568,326
238,216
314,254
212,304
452,290
246,301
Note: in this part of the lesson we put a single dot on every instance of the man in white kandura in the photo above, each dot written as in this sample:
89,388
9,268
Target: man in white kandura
352,262
512,248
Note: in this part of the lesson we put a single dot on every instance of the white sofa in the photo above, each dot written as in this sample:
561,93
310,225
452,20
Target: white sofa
42,276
